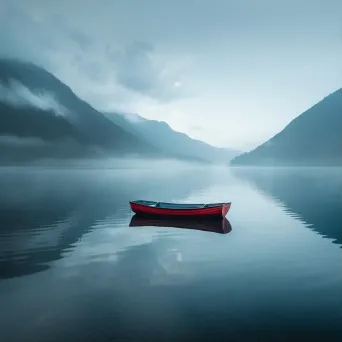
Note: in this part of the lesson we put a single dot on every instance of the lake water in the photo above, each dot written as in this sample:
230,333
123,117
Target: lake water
72,269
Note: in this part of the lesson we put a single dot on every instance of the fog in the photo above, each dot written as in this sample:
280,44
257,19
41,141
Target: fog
17,95
166,165
11,140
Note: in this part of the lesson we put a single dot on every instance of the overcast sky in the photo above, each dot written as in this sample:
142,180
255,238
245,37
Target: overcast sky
232,73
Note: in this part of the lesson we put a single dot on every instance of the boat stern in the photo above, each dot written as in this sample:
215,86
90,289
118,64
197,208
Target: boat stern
225,209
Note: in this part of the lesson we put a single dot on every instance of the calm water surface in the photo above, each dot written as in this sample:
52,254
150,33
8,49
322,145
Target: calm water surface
72,269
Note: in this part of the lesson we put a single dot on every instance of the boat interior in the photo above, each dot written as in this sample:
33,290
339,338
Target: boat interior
165,205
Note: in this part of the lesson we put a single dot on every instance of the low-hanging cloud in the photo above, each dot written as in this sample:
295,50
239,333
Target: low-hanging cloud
17,95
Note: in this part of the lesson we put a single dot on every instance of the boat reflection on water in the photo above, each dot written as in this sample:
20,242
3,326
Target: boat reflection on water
215,225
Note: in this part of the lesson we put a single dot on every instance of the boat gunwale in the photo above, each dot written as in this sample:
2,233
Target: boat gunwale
213,205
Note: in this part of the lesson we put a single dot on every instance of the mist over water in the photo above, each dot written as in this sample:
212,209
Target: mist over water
162,165
72,269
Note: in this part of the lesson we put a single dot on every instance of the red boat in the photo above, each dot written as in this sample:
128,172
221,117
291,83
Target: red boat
176,209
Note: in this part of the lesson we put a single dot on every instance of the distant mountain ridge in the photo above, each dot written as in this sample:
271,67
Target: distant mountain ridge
82,123
50,121
159,133
314,138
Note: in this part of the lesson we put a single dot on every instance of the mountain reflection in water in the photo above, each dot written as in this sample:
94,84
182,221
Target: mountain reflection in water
313,195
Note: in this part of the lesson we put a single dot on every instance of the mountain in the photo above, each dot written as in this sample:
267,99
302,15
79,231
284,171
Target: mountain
41,117
160,134
312,139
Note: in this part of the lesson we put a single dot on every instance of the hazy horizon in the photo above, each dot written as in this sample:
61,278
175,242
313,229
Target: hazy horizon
232,74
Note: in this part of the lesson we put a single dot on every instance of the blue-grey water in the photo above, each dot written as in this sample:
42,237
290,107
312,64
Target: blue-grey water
72,269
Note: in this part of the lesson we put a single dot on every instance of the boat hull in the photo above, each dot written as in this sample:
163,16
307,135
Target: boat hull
219,210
